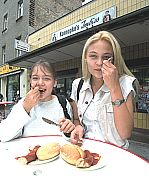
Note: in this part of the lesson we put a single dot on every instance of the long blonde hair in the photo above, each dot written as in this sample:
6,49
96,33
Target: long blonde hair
118,59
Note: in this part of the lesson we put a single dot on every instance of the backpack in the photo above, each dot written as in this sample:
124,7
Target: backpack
63,102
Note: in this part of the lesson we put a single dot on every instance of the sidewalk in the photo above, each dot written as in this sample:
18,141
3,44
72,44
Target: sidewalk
139,143
139,148
141,135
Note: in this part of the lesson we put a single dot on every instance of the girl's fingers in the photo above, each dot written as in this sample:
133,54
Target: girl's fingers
67,126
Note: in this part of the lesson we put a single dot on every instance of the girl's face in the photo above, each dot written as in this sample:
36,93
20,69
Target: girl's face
98,52
44,80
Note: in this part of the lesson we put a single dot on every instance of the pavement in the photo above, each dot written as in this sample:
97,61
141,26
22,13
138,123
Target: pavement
139,148
139,143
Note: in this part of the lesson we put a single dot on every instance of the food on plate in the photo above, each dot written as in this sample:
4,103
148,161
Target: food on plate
71,153
31,156
74,155
90,159
85,162
96,158
48,151
41,153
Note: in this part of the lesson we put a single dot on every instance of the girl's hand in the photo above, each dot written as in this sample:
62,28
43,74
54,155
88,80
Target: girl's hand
76,135
66,125
110,75
31,99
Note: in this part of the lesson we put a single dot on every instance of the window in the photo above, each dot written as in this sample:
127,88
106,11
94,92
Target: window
65,79
142,74
13,86
3,54
20,9
5,22
17,51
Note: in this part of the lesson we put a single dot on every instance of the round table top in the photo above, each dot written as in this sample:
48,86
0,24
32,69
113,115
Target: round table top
116,163
6,102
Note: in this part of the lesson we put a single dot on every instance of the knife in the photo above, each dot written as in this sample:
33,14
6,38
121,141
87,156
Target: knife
53,123
49,121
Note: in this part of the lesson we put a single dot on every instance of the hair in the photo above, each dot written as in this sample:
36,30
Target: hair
117,56
45,67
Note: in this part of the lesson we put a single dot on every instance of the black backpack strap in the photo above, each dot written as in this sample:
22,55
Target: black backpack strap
79,87
63,102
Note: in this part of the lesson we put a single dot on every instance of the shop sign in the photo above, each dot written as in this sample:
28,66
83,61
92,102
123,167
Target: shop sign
22,46
4,69
87,23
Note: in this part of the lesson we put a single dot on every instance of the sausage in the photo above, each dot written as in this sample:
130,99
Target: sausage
31,156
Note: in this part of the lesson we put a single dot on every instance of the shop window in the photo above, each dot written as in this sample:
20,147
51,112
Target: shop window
13,87
64,81
143,97
64,86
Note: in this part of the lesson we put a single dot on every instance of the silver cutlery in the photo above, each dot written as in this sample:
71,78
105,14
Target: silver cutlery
49,121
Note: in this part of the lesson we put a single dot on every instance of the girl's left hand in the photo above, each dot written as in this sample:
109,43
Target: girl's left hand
77,135
110,75
66,125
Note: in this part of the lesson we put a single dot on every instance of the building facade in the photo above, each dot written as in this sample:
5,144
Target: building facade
61,42
18,19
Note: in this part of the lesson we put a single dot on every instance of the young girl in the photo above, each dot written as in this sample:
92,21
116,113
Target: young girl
105,105
25,119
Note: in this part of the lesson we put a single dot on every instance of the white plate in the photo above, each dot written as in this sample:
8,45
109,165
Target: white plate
101,163
38,162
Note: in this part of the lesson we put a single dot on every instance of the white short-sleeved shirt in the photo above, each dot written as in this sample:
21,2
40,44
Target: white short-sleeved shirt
96,113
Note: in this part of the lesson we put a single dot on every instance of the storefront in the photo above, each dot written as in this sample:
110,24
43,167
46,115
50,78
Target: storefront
10,82
62,43
64,81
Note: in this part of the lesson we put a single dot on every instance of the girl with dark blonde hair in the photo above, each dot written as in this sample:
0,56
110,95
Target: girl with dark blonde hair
25,119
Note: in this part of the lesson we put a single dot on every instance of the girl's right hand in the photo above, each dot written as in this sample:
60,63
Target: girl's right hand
31,99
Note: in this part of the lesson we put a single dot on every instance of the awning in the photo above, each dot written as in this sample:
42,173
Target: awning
11,73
